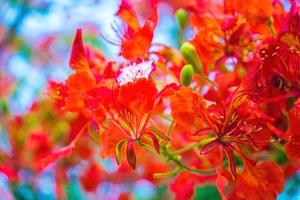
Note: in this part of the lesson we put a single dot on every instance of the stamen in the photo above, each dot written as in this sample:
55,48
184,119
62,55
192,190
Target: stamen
110,40
119,31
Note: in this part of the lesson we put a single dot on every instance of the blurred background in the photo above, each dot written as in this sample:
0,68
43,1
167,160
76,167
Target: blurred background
36,38
35,44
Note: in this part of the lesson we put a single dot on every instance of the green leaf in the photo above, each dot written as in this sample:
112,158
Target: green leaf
119,150
207,192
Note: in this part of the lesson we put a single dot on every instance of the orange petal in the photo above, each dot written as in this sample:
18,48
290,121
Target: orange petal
74,102
109,140
81,81
186,106
264,182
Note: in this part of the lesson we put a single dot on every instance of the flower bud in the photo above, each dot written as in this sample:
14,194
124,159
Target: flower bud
186,75
181,17
189,53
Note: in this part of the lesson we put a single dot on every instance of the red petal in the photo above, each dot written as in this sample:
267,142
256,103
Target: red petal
78,60
128,15
186,106
293,145
294,116
292,148
130,152
221,182
183,186
9,172
80,81
209,147
154,140
64,152
74,102
230,157
168,90
203,131
95,126
138,97
91,177
109,140
138,43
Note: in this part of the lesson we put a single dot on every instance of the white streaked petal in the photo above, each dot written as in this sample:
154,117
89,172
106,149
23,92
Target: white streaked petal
135,71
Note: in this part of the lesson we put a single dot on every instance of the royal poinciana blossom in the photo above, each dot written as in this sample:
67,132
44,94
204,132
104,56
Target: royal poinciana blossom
221,109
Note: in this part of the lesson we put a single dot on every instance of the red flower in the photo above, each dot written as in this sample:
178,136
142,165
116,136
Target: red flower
136,39
133,103
82,81
281,57
231,126
75,95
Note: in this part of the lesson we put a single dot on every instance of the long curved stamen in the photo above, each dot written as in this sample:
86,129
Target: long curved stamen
118,30
111,41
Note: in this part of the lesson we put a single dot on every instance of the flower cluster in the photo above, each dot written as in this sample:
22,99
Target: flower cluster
223,108
226,102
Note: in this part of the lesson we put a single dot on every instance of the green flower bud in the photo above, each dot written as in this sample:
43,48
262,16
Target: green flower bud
181,17
186,75
189,53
